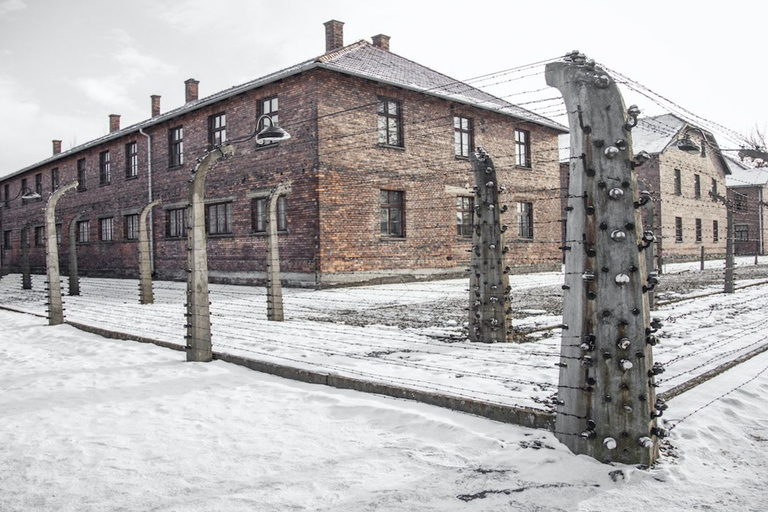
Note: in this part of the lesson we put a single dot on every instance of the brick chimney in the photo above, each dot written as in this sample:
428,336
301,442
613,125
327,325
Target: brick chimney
191,89
155,105
114,123
334,35
56,146
381,41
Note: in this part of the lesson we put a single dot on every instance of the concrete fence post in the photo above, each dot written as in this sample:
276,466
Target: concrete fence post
702,259
55,307
274,287
489,315
606,404
145,261
198,311
26,277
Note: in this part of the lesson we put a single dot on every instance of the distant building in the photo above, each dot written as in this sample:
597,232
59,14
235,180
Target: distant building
382,184
680,180
748,191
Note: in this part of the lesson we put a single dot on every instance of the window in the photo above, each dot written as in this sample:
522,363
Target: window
218,219
7,239
390,128
176,147
696,186
464,215
678,183
132,227
392,218
259,214
741,232
131,160
54,179
7,196
715,231
105,173
58,234
39,236
106,229
81,175
714,186
525,220
678,229
270,107
463,136
39,184
523,148
739,202
698,230
176,223
24,190
217,129
83,231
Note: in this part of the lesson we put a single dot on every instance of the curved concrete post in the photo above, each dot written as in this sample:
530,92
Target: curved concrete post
274,288
56,310
26,278
198,311
145,260
74,279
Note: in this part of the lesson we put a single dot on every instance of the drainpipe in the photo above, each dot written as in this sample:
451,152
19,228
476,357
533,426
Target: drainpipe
149,200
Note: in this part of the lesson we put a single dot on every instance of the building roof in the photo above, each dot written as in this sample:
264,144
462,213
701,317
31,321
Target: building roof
743,176
654,134
360,59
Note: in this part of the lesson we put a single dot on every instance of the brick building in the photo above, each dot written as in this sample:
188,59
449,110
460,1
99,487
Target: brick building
748,190
680,181
378,159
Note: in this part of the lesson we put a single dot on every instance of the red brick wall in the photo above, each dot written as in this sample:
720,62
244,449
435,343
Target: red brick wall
333,209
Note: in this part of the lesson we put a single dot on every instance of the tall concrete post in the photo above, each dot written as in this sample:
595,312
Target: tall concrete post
55,308
198,312
606,404
26,277
74,278
145,260
729,260
489,319
274,287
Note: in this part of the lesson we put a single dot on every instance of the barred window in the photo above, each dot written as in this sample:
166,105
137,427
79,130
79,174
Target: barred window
259,214
698,230
463,136
525,220
54,179
132,226
218,218
390,124
7,239
39,236
105,168
81,175
391,203
465,212
106,229
678,229
741,232
83,231
131,160
678,182
696,186
176,146
715,231
217,129
39,184
523,148
176,223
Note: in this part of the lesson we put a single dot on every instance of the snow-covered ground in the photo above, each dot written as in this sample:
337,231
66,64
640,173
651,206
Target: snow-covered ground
90,424
698,335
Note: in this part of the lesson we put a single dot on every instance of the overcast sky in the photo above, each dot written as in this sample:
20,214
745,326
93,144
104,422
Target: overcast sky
66,65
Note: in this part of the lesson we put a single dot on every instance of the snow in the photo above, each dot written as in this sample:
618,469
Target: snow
91,424
323,332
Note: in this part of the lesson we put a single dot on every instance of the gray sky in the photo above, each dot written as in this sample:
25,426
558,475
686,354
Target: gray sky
66,65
